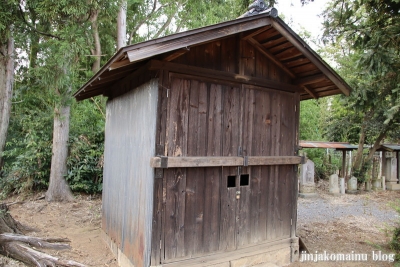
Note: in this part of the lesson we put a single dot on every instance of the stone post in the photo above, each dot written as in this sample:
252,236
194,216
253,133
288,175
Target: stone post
383,183
307,184
352,186
334,185
342,186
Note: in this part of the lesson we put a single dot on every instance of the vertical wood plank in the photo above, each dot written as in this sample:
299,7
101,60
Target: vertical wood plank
231,109
213,145
157,219
244,222
175,213
214,116
295,179
229,218
229,55
177,127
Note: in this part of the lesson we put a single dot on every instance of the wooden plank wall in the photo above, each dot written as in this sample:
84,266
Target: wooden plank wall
128,178
202,215
216,120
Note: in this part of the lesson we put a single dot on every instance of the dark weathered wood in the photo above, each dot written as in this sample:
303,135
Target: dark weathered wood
310,79
174,227
227,239
304,48
272,160
157,223
119,64
243,225
266,53
176,54
221,75
310,92
274,42
184,162
255,32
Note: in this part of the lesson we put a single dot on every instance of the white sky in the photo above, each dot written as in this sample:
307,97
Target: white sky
297,16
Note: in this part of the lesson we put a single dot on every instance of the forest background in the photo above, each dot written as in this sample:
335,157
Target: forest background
48,49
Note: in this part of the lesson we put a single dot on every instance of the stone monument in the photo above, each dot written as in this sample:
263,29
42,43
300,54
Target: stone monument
352,186
334,185
307,184
391,174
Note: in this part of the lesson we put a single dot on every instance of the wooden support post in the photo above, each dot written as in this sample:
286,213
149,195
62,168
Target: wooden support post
343,171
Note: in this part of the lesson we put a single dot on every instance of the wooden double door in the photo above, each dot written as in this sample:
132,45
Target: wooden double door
213,209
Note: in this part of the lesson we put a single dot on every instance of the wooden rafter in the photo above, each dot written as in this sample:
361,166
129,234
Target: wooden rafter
119,64
177,54
266,53
311,79
257,32
310,92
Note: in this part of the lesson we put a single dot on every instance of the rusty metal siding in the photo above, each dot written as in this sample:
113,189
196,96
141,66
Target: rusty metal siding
128,177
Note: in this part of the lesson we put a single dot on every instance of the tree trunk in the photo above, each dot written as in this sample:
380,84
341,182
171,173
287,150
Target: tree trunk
6,89
58,188
359,155
97,46
121,25
18,246
376,144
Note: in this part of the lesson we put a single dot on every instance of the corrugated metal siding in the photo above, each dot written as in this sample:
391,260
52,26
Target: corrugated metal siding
128,177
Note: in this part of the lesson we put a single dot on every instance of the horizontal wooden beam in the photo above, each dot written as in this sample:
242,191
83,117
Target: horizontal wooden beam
189,162
222,75
274,160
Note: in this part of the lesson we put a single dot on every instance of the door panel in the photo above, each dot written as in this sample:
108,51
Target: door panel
226,208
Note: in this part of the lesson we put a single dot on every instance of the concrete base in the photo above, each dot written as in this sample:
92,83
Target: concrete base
393,187
352,192
335,194
308,195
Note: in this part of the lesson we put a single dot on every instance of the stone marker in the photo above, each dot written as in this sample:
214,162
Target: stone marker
307,185
383,183
334,185
342,187
352,186
376,184
368,185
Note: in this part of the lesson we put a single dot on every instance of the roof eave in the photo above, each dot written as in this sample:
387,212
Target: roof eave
292,37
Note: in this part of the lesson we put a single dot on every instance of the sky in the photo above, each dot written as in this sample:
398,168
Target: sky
297,16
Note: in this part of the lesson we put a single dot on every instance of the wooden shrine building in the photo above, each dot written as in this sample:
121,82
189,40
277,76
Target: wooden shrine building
201,143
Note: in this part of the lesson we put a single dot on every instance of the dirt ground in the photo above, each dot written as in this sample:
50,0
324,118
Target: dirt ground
80,222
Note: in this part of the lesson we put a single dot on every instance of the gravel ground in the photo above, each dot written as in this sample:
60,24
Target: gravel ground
325,208
361,223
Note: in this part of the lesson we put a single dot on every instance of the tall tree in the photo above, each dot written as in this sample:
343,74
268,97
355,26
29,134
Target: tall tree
368,32
121,25
7,15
